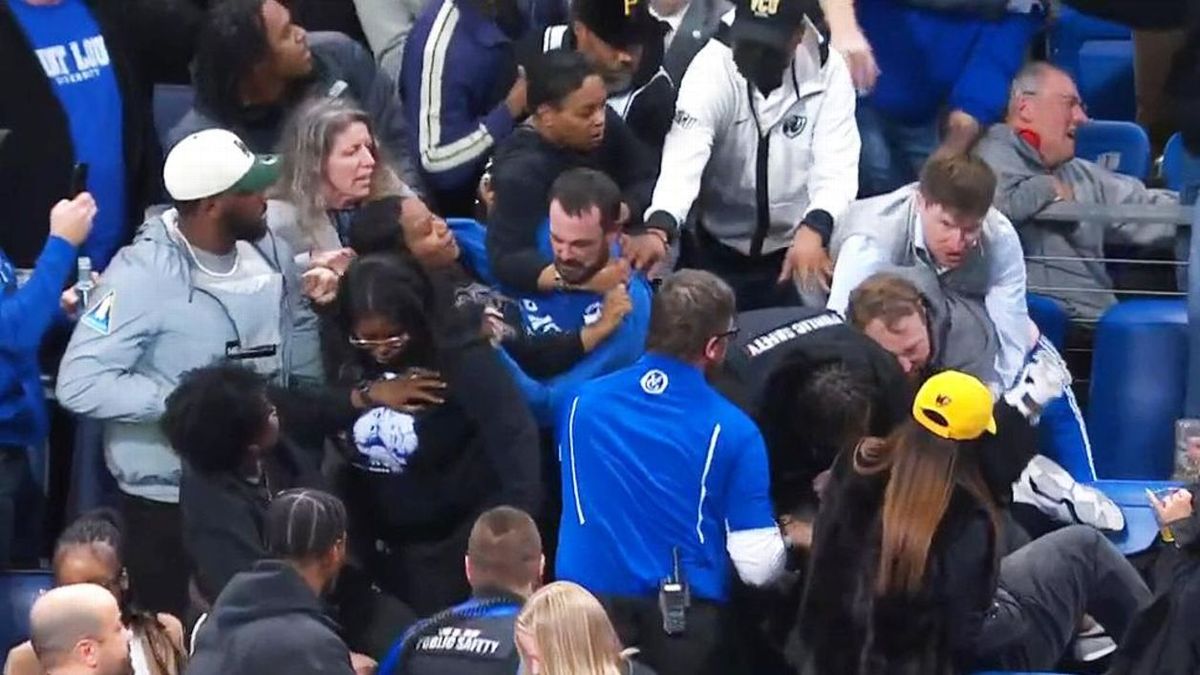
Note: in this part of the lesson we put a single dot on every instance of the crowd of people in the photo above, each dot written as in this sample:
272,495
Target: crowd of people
566,338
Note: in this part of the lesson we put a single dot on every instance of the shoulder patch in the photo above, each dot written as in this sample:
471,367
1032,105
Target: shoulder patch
654,382
99,317
684,119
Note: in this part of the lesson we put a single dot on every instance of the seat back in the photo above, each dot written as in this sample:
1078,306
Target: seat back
1139,380
1181,169
1123,147
171,103
1050,317
1098,55
19,589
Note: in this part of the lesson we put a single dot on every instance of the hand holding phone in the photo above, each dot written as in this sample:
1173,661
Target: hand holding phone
79,179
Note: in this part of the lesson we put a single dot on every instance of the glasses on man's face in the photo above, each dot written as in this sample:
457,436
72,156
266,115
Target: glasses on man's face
1070,101
731,333
396,342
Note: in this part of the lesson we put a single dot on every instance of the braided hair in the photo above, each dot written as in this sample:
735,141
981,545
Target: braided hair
104,526
304,523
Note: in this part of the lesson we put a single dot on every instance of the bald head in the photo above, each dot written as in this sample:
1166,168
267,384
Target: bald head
78,628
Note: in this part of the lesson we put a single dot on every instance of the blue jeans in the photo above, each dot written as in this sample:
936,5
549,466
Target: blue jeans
21,507
892,152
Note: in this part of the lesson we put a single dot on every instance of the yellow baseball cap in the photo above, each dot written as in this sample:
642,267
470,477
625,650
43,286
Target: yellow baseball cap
954,405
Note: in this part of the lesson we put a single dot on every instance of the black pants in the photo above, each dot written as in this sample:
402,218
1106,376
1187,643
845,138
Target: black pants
158,564
705,648
428,576
754,278
21,507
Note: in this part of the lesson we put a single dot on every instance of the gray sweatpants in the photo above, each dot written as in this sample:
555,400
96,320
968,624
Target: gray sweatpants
1050,583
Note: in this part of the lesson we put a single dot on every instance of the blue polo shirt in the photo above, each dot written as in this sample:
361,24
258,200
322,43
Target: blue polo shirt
75,58
653,458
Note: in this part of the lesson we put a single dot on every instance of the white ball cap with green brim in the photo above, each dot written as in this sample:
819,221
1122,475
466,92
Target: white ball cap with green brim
214,161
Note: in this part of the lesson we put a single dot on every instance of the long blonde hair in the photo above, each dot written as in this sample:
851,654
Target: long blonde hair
572,632
304,147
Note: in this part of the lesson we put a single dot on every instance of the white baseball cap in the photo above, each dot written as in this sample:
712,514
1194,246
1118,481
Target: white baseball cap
213,161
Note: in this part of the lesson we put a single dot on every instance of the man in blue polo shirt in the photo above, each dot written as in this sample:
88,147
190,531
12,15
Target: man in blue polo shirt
654,461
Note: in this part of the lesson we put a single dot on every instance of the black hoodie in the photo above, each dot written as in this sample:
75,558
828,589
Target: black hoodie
268,621
523,170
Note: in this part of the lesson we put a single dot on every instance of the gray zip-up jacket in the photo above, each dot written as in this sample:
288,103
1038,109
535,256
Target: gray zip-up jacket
1026,186
886,231
147,325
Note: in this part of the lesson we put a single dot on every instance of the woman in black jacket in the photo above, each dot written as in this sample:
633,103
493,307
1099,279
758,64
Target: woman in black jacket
420,475
909,574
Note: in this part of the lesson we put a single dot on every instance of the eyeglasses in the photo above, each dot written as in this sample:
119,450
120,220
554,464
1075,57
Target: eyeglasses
396,342
1070,100
731,333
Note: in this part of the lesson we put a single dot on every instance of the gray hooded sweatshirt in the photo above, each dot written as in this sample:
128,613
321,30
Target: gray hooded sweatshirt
1025,187
150,321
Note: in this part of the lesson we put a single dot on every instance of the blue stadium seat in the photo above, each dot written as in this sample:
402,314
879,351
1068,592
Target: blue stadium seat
19,590
1050,317
1123,147
1099,56
1139,379
1141,528
1105,79
1181,169
171,103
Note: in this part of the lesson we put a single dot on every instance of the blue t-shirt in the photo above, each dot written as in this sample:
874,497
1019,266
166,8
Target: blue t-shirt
75,58
654,458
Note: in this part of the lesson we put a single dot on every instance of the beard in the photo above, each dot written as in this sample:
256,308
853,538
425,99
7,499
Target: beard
617,81
245,228
578,273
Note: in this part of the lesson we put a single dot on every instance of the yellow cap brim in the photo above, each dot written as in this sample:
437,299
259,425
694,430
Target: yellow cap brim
991,425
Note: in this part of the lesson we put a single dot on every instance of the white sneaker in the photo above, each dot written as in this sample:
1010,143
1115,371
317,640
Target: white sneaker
1092,645
1049,488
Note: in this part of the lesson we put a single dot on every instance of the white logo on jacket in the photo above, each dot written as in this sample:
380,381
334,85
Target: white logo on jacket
654,382
385,440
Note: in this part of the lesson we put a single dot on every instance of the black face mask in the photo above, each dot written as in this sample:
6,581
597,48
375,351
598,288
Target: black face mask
761,65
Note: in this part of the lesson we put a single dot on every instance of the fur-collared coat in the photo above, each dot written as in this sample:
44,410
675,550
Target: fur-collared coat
846,629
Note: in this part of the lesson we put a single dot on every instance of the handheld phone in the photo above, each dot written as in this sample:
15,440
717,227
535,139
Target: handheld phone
79,178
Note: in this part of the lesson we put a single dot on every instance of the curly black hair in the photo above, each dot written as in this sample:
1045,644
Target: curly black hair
232,40
215,415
